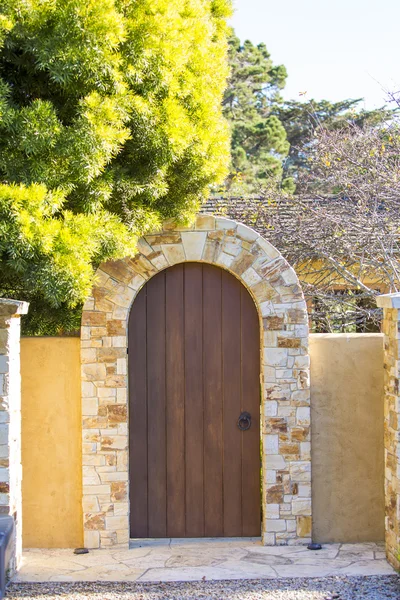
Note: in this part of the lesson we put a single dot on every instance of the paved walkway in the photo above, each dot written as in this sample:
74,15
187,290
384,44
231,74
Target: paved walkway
195,560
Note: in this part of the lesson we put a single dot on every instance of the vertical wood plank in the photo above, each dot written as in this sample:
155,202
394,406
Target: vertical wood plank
137,371
213,402
175,398
194,443
231,350
157,499
251,463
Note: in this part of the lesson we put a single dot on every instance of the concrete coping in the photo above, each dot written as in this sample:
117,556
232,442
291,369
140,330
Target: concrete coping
10,307
389,300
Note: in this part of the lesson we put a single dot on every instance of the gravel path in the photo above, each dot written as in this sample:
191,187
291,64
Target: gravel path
326,588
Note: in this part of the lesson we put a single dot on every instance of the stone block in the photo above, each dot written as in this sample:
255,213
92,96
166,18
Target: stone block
119,491
205,222
121,366
224,260
114,476
211,251
262,291
95,490
93,319
116,442
121,508
290,449
301,398
300,471
277,425
91,539
90,504
275,357
289,276
231,246
303,526
267,249
89,406
304,490
173,225
94,372
273,322
299,434
193,244
158,260
271,444
115,381
275,494
119,522
268,539
123,536
174,253
272,512
251,277
305,451
302,362
226,224
164,238
94,521
242,262
275,525
105,392
275,461
288,342
266,308
271,408
303,416
97,460
117,413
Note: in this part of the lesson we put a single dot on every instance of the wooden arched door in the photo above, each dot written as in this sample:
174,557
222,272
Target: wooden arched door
194,368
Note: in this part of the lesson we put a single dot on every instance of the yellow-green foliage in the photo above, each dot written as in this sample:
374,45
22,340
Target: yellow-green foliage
110,121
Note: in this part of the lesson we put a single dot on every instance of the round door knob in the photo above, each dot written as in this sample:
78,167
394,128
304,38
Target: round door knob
244,421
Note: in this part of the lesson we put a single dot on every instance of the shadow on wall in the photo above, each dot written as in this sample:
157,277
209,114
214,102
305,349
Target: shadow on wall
347,437
51,443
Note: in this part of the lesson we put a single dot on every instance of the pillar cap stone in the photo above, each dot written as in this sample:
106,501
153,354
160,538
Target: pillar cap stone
389,300
9,307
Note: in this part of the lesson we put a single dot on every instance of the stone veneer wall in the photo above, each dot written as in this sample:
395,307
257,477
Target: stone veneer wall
391,329
285,405
10,419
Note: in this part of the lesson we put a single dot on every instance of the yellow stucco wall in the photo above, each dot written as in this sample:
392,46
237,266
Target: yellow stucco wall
347,434
51,443
347,437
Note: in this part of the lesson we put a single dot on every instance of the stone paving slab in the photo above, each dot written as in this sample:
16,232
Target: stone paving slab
195,560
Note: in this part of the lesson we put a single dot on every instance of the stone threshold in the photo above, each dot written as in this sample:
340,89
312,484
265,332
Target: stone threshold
149,542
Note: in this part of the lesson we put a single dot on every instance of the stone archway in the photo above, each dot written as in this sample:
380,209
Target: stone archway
285,408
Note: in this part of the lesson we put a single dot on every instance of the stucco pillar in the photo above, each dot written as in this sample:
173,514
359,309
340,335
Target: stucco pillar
391,328
10,418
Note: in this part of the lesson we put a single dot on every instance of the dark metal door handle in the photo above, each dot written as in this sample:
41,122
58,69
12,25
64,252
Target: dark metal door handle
244,421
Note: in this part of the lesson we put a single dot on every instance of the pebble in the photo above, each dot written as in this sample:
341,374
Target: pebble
382,587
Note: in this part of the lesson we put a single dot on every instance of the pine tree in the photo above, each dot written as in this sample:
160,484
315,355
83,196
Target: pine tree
259,142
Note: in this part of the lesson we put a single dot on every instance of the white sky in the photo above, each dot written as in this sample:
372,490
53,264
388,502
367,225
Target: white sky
333,49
